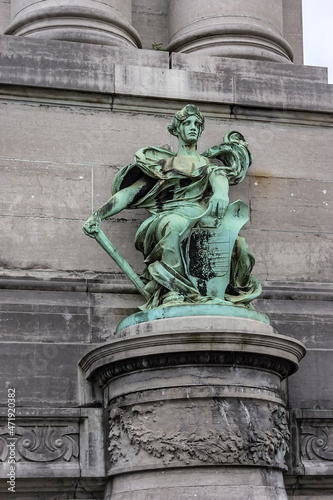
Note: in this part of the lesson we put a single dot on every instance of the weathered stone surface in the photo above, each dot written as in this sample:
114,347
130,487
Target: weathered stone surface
165,436
150,20
44,375
293,27
246,67
29,243
95,139
283,93
290,255
308,487
316,493
311,387
246,30
291,204
107,312
73,311
215,484
90,137
55,488
101,22
42,235
298,310
306,320
172,84
64,65
32,188
192,334
36,316
181,379
4,15
279,255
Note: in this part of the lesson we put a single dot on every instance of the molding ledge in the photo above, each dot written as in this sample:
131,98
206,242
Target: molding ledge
216,340
119,284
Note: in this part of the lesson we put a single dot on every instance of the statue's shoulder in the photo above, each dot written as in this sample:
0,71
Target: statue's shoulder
153,155
147,161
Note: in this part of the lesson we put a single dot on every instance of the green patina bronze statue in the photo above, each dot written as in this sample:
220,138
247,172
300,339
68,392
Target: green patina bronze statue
190,242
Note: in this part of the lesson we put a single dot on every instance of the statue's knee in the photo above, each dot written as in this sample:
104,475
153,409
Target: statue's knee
177,225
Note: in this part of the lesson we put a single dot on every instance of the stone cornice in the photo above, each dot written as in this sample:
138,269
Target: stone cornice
206,339
109,284
79,67
259,362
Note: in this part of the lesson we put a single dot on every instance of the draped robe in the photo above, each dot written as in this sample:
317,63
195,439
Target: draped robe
176,202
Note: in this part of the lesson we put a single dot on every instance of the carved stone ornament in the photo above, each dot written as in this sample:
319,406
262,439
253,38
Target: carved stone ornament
233,437
280,366
317,442
41,443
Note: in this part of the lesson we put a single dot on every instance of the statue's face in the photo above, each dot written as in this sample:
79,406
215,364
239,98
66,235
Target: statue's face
189,129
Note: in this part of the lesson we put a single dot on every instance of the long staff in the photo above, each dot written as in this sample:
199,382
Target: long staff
122,263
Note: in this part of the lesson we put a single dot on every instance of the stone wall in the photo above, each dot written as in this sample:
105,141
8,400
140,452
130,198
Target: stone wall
71,115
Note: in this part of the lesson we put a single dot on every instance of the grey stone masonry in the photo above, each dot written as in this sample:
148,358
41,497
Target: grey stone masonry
72,114
61,65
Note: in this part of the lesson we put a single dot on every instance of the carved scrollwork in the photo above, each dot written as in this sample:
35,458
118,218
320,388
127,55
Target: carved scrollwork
209,444
42,444
317,443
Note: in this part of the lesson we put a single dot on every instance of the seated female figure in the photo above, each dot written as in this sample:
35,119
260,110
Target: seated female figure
178,190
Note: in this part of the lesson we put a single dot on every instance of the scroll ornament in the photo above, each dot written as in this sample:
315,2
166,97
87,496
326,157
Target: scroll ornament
42,443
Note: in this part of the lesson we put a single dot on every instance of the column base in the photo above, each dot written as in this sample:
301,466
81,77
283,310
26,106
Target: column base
213,483
75,24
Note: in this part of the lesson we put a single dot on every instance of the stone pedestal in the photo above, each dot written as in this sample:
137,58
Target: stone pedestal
243,29
106,22
195,408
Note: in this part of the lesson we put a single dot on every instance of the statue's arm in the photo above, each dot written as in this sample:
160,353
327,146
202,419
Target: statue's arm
219,200
118,202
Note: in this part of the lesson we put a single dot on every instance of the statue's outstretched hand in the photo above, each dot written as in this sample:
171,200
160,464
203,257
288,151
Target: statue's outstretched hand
218,205
91,226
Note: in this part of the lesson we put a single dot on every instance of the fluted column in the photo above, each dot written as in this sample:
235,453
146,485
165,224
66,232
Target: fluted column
242,28
106,22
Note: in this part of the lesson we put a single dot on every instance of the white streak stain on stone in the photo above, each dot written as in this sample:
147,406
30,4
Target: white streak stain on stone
224,415
247,414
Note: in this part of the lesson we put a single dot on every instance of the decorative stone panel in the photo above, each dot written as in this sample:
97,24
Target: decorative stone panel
69,441
312,442
196,431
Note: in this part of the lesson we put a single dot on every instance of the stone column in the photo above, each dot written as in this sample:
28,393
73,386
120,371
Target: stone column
229,28
105,22
194,408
